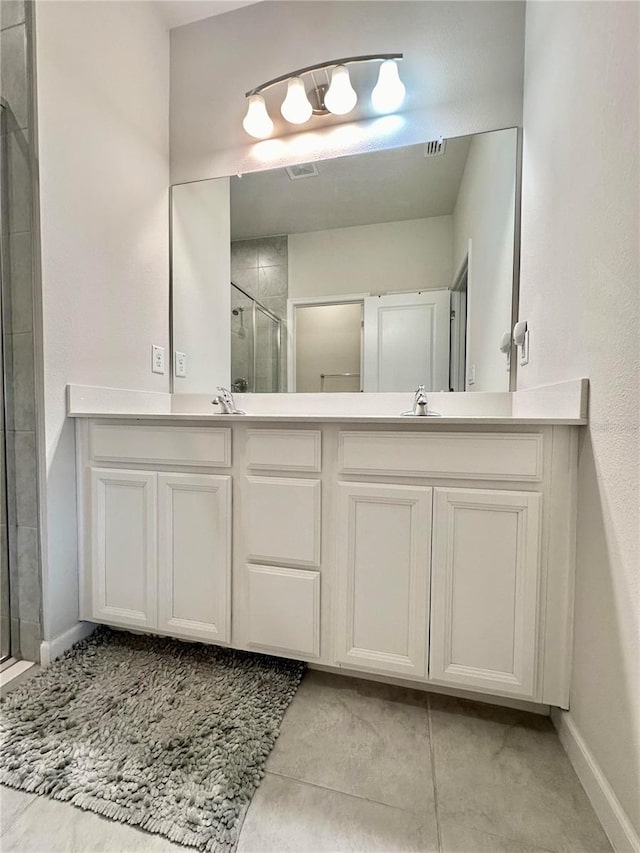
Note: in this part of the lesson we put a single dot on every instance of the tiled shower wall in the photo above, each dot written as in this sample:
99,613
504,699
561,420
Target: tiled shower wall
16,181
261,268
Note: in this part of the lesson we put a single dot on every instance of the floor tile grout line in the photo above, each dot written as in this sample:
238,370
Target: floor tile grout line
342,793
5,827
433,775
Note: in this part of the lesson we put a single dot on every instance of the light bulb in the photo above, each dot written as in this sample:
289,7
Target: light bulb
340,97
257,122
389,91
296,107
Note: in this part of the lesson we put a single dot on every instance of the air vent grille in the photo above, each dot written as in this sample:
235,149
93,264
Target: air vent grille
303,170
435,147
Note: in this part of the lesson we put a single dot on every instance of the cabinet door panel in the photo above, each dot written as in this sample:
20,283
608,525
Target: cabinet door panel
195,555
382,605
484,589
123,532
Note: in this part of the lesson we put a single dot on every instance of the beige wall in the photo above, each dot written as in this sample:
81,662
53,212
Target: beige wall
485,215
391,256
328,340
579,294
103,113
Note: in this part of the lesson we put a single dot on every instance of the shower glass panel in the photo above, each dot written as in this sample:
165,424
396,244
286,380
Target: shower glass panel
242,341
255,344
267,337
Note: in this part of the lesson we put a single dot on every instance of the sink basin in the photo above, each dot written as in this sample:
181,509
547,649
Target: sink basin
428,415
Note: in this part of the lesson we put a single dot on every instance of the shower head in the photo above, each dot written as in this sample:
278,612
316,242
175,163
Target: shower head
237,311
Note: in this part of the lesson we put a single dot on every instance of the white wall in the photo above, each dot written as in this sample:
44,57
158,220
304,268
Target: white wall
411,255
462,68
201,276
579,294
485,214
102,100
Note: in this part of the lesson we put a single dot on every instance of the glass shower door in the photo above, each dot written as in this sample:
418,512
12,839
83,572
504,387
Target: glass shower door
267,345
242,341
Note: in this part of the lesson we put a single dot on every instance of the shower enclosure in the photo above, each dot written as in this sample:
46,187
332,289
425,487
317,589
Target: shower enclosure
255,344
20,586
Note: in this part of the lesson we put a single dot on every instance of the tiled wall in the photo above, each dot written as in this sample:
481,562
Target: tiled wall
261,268
18,326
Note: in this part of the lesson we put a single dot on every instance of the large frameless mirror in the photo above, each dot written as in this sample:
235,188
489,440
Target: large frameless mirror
374,272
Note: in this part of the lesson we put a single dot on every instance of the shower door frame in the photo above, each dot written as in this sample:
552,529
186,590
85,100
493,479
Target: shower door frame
256,304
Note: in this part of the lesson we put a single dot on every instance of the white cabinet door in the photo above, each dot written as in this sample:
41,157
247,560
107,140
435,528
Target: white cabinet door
123,544
195,556
382,594
484,589
284,610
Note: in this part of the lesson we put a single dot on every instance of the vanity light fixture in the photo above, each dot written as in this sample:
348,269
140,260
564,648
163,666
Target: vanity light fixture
336,96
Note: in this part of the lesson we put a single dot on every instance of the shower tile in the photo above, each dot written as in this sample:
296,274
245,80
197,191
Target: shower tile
11,13
23,382
273,252
18,182
244,255
25,479
13,76
247,279
276,304
272,281
19,263
30,639
28,574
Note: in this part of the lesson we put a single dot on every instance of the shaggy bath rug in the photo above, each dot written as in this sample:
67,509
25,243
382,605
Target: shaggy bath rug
167,736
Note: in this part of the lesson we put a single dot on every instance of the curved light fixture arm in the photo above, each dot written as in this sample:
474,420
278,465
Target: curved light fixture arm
349,60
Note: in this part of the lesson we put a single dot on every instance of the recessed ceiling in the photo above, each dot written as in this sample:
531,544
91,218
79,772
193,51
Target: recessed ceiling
380,186
177,13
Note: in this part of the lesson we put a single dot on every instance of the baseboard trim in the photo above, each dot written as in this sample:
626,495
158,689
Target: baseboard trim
614,820
52,649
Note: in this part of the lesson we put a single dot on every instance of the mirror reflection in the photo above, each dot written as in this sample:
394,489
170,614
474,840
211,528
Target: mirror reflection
374,272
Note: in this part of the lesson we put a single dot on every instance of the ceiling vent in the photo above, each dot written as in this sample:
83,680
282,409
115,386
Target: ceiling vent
435,147
303,170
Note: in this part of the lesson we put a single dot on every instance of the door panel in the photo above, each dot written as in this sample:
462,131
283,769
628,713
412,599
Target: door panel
484,589
384,541
195,555
123,531
406,341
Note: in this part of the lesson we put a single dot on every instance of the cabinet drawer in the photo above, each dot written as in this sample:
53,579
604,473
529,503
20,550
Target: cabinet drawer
284,610
284,449
282,520
468,456
161,445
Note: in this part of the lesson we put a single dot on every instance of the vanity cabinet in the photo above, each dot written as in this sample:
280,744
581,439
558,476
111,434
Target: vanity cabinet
157,543
484,589
383,557
124,565
436,555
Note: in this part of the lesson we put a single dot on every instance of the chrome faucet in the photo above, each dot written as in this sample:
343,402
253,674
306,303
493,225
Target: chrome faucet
420,405
226,402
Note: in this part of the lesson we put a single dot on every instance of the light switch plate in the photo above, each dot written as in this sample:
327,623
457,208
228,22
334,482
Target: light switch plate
471,375
180,364
157,359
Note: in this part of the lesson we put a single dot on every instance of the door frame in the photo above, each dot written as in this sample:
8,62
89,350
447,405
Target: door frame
306,301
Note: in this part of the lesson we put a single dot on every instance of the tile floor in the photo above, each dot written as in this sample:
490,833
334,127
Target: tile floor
367,767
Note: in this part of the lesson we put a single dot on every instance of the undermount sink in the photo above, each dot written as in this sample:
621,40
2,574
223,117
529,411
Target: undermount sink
417,415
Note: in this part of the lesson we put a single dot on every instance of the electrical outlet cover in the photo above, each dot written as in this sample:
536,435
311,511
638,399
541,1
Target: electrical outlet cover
157,359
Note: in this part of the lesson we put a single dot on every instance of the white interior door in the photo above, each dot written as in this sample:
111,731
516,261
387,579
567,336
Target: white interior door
406,341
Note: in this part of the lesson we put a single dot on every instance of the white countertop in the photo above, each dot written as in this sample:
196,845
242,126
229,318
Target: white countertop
561,404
